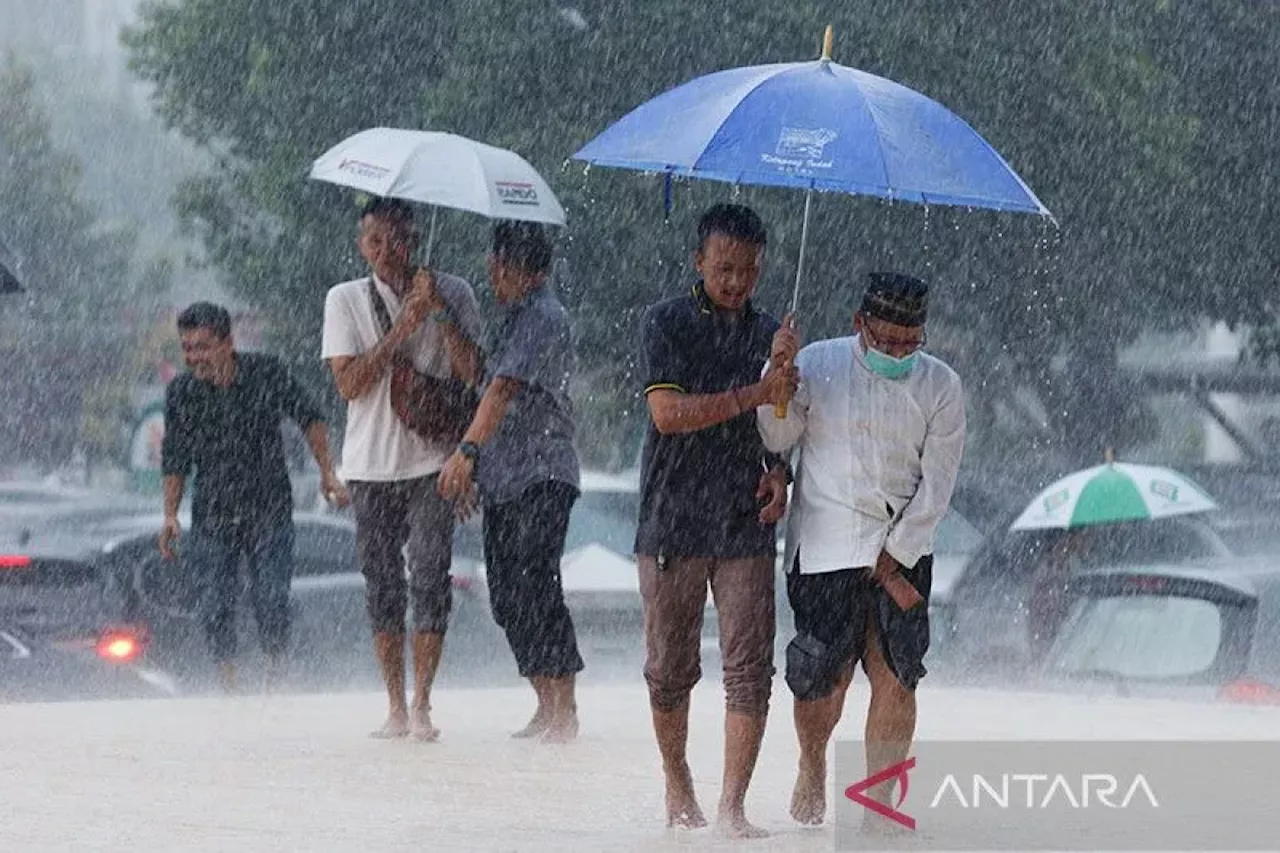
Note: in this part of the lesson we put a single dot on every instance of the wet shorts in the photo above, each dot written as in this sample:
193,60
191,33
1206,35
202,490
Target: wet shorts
831,611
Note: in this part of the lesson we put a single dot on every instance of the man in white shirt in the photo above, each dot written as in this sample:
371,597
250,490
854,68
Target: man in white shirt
390,470
880,426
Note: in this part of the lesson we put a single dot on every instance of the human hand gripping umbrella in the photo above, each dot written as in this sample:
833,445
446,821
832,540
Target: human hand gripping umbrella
817,126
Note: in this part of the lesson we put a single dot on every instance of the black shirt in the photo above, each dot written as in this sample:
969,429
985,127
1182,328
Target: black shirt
230,437
697,489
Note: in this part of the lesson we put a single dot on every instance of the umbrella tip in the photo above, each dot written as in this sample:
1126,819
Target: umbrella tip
1109,455
828,39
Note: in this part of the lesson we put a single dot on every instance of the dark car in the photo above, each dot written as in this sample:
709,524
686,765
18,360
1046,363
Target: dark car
63,634
1203,632
330,646
985,627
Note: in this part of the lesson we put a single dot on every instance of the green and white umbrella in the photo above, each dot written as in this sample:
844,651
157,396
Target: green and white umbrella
1114,493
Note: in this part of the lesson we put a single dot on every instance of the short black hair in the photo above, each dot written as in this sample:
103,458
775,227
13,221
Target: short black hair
394,209
524,245
732,220
205,315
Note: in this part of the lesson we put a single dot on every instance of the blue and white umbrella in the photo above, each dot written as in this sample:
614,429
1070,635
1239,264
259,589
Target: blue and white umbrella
817,126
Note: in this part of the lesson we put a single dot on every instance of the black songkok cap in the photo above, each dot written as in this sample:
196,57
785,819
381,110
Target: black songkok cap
896,298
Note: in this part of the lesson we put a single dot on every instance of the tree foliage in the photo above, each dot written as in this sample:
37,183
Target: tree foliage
63,342
1124,116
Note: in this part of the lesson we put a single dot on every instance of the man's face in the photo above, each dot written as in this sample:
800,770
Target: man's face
888,338
509,281
205,353
386,243
730,269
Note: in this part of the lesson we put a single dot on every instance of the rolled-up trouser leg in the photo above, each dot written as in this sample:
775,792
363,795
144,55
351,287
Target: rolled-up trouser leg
743,590
673,598
523,545
381,511
430,522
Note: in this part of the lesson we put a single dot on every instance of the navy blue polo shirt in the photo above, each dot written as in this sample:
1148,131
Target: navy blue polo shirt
230,439
698,489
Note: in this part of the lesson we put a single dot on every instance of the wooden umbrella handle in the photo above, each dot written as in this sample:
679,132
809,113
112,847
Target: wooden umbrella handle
902,592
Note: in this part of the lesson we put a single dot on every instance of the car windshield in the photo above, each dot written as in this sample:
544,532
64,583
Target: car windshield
955,535
1139,636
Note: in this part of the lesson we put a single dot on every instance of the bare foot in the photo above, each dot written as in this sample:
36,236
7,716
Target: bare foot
734,824
561,728
537,725
396,726
420,728
682,804
809,799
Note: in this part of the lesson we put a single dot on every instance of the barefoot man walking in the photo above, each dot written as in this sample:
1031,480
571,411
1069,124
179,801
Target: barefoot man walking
710,497
432,320
881,426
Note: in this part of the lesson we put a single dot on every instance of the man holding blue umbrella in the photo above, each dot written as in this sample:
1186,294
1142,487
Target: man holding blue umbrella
710,496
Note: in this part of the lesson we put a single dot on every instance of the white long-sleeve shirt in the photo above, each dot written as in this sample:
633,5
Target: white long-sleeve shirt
878,457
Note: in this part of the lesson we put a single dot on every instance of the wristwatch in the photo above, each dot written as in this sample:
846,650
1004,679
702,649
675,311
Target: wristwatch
441,316
469,449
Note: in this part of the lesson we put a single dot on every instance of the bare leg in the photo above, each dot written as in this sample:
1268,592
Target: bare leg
427,648
742,736
542,714
891,724
672,731
227,677
815,721
390,651
562,725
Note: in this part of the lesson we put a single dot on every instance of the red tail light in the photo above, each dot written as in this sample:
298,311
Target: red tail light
120,646
14,561
460,582
1249,691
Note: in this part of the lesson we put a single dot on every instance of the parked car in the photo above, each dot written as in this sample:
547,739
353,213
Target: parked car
982,628
330,646
1209,632
64,634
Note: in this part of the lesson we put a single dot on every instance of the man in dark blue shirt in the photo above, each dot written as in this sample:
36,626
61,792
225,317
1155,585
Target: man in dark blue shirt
519,450
222,425
710,497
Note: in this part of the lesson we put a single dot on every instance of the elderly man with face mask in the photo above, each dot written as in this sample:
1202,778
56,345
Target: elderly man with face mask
880,427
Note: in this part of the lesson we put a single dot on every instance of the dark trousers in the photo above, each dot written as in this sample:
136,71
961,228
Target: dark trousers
396,520
215,554
523,544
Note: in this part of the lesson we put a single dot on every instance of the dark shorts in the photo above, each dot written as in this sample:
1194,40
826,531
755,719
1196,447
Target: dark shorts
397,520
831,612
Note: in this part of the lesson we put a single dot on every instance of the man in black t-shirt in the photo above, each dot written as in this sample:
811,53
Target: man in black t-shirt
222,425
710,497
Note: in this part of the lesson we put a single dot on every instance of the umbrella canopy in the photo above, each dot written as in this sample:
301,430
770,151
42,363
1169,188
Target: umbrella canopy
814,125
440,169
1114,493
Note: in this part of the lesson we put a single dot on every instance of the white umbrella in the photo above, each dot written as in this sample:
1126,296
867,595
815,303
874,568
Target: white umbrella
440,169
1111,494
